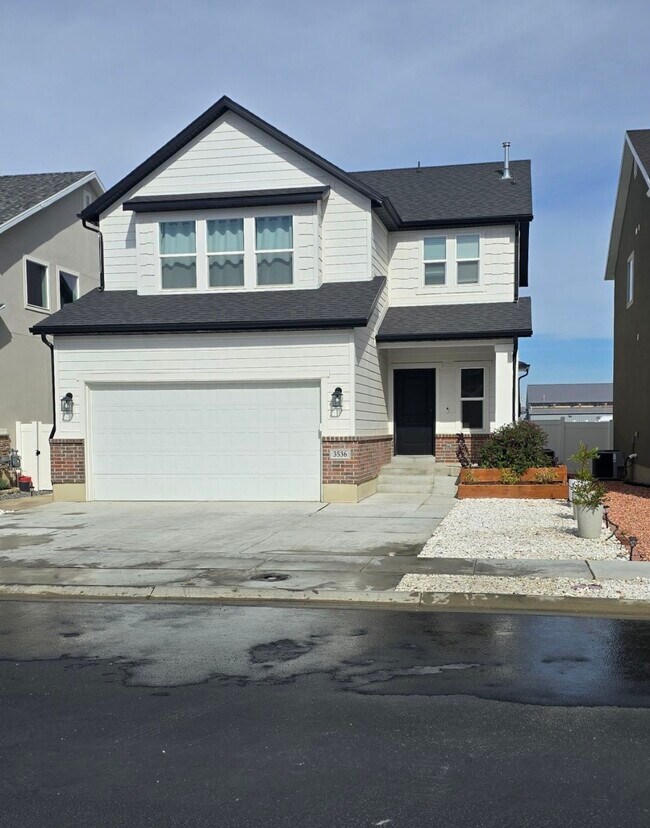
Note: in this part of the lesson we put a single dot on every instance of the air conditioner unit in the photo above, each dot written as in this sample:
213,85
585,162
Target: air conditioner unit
609,465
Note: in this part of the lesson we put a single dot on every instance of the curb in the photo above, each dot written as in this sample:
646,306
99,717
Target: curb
413,601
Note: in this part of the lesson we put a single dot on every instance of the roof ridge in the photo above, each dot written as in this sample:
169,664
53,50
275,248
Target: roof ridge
441,166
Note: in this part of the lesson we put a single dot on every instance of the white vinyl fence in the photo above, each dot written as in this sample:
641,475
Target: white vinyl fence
33,445
565,435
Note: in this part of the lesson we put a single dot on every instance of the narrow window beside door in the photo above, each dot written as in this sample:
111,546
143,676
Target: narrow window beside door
472,397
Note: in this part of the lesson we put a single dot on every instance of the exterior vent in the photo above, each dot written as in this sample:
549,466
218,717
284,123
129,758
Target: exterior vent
506,162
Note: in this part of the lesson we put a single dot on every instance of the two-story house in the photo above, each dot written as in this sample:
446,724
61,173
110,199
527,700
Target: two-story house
47,260
271,327
628,264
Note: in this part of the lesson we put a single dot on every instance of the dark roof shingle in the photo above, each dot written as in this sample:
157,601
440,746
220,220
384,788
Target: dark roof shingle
21,192
443,322
332,305
640,139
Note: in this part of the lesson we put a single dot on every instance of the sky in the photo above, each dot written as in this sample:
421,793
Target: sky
367,84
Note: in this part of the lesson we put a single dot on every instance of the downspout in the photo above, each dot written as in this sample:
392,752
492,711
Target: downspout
51,347
96,229
515,386
523,376
517,254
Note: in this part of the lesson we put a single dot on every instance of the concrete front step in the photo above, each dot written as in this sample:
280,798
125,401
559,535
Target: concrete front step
410,460
406,471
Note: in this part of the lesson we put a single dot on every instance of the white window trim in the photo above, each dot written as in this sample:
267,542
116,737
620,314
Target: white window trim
160,256
629,280
219,288
425,262
86,198
257,250
70,272
479,281
484,428
48,292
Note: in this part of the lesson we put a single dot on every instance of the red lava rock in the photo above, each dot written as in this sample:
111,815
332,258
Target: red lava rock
629,508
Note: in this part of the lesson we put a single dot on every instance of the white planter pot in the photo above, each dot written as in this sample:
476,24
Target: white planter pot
590,522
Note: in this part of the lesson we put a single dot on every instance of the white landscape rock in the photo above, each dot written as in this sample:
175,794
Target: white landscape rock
516,529
633,589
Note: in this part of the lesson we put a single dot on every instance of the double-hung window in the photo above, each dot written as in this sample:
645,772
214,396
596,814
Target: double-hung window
68,287
435,260
629,281
178,254
467,259
226,252
36,287
472,397
274,250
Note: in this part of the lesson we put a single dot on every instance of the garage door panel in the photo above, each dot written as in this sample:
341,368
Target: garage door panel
207,442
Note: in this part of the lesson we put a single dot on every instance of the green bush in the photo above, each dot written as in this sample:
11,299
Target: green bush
517,446
589,493
509,477
583,458
4,483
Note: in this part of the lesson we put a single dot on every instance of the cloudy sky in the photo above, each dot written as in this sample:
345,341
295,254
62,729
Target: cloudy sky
367,84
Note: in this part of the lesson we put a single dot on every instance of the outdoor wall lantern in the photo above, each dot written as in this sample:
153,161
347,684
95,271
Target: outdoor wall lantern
67,405
337,399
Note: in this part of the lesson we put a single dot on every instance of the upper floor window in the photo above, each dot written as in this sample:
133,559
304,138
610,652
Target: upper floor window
274,250
435,260
472,397
36,285
629,281
68,287
86,198
178,254
467,259
226,252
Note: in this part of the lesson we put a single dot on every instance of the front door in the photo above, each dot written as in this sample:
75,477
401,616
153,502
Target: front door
415,406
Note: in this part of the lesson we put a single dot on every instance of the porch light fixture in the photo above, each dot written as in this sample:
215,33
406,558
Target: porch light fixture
337,399
67,405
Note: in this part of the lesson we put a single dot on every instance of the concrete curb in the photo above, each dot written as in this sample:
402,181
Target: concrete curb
412,601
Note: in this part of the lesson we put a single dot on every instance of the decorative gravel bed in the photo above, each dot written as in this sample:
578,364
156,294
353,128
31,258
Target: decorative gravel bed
636,588
504,528
16,494
629,508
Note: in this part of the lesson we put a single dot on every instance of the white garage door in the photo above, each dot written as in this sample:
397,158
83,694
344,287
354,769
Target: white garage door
206,442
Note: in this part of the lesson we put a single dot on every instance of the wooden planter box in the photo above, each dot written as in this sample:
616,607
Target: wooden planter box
487,484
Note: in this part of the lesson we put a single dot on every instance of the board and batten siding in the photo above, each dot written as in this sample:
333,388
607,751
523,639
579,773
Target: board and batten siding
496,268
324,356
371,408
231,156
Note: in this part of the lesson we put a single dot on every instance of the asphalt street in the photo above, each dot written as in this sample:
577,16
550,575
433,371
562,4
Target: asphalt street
186,715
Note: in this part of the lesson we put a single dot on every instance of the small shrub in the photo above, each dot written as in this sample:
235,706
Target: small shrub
470,477
583,458
4,483
546,476
517,446
509,477
589,493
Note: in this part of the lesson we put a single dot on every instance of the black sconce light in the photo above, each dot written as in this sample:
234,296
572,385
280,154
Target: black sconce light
67,405
337,398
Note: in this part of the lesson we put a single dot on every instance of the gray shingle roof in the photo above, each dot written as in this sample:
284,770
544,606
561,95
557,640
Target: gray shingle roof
570,392
440,322
332,305
462,192
640,139
21,192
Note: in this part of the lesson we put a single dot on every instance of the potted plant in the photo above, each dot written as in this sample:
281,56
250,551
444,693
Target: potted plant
588,499
583,458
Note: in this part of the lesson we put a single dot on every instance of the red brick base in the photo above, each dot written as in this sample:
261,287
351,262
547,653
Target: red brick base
67,461
369,454
446,445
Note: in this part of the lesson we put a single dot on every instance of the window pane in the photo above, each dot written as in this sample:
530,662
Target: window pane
36,284
178,273
467,273
225,235
67,287
226,271
467,247
471,382
274,233
472,413
434,274
274,269
177,237
435,248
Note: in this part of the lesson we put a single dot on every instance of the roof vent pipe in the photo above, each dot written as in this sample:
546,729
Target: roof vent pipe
506,161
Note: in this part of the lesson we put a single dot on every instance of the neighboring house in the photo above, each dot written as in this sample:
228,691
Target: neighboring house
628,265
274,328
588,402
47,259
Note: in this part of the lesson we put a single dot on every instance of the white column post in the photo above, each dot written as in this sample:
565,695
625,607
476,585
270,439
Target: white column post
503,379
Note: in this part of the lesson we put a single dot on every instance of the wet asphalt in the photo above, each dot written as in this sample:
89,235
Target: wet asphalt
132,714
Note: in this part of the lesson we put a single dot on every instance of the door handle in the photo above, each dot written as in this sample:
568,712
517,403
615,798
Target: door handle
38,453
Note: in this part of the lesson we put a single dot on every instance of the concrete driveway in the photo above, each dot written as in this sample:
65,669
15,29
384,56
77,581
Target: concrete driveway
365,546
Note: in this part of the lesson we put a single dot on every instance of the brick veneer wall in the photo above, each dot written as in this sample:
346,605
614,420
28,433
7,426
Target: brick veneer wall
67,461
446,445
369,454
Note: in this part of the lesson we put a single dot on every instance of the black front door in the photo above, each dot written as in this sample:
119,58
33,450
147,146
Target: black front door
415,406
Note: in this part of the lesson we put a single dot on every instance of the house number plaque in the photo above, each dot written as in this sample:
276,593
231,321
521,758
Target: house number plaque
341,454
